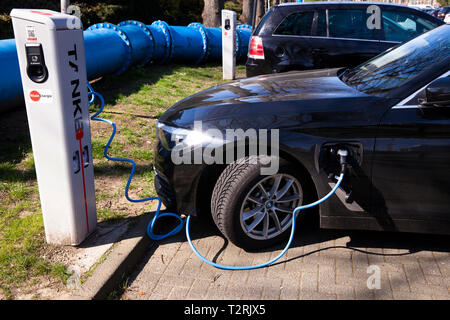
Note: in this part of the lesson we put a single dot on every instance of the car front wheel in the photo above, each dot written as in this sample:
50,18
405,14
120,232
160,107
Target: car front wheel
252,210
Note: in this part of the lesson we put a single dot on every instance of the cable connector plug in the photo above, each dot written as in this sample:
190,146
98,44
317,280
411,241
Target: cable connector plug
343,154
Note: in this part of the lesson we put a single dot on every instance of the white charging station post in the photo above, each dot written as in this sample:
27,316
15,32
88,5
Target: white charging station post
50,48
228,44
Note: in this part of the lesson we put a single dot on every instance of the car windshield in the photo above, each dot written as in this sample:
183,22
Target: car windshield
394,68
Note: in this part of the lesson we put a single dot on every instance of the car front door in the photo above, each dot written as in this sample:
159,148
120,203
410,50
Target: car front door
411,165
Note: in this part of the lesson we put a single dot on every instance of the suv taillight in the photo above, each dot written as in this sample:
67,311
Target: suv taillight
256,49
441,15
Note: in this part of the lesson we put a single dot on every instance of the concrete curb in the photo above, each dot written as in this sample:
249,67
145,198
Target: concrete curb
120,261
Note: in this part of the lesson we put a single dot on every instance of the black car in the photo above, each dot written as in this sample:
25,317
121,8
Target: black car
427,10
301,36
391,114
442,13
434,12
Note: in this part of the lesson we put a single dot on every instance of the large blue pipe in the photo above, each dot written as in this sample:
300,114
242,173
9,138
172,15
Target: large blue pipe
113,49
11,93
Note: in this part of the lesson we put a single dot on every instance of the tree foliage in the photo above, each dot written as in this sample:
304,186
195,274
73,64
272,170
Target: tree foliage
174,12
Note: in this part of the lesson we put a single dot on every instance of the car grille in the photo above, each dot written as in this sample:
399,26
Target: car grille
164,189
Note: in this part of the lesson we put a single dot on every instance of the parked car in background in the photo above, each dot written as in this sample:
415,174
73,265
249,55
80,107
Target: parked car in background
434,12
443,13
300,36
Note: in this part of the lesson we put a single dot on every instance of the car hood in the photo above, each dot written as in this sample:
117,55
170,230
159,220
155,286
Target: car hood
259,95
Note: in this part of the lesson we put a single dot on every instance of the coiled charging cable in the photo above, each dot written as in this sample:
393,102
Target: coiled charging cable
291,237
178,228
93,94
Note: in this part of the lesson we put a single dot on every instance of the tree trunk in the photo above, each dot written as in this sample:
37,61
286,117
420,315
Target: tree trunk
260,11
247,11
212,13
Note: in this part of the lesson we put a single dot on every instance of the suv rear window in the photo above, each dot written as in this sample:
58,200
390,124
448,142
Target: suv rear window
263,20
296,24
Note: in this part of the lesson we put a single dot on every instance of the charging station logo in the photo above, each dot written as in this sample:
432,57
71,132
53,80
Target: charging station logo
35,96
41,96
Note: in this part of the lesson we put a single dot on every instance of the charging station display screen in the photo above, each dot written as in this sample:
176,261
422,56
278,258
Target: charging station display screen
36,69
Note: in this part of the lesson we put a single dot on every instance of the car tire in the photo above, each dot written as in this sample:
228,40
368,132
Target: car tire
248,209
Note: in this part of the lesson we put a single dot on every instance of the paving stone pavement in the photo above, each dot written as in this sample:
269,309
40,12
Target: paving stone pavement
321,264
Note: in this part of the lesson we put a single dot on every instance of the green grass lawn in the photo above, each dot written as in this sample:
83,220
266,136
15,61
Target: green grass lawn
134,101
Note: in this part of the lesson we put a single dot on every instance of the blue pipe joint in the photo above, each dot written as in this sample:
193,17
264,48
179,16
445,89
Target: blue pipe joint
163,41
205,43
244,26
141,40
120,52
187,44
214,44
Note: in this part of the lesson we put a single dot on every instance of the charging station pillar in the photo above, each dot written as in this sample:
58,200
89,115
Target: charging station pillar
50,49
228,44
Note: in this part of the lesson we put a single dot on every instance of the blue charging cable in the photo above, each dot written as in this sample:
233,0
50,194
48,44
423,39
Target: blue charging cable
178,228
262,265
157,215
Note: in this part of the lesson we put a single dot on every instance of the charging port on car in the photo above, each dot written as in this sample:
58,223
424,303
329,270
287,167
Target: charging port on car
330,158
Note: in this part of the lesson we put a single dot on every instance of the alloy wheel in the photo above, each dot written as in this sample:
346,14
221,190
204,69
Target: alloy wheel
267,209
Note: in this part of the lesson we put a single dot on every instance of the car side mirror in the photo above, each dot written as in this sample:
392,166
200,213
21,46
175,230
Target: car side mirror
437,94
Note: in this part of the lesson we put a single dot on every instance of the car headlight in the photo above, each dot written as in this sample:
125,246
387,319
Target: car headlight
172,136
